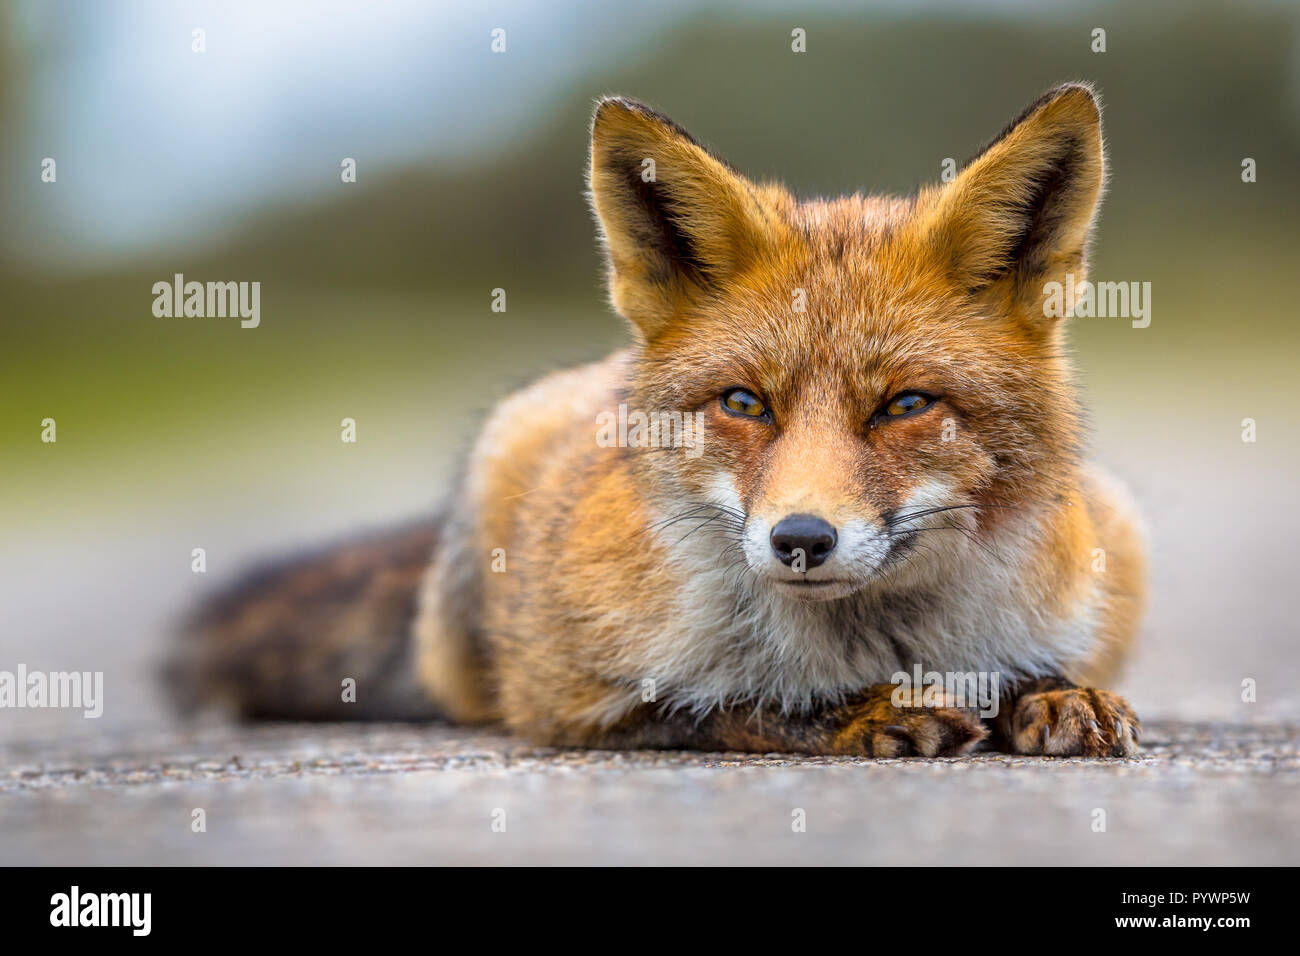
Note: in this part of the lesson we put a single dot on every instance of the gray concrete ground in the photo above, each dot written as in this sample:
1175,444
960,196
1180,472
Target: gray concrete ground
1214,680
1208,793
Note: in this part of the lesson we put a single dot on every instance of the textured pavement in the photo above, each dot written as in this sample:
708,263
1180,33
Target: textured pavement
1217,781
417,794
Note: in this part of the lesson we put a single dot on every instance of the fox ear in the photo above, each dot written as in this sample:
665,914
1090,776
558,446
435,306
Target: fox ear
1021,212
676,221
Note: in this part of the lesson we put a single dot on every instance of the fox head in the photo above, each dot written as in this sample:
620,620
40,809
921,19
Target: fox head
879,381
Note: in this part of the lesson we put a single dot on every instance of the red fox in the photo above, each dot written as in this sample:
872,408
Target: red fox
877,468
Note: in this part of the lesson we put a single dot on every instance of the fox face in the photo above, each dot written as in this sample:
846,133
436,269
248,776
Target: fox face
878,381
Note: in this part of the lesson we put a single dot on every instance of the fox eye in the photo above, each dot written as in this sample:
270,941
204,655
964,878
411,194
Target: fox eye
737,401
905,403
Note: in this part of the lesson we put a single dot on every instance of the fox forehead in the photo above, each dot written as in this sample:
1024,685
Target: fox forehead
847,292
845,226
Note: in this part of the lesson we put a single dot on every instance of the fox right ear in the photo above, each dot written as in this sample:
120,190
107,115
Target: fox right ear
676,221
1021,212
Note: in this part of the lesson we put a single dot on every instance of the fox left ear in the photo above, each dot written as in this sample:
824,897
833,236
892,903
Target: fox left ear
1021,212
677,222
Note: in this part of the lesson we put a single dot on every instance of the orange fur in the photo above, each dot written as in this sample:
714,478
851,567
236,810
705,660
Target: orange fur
939,294
635,596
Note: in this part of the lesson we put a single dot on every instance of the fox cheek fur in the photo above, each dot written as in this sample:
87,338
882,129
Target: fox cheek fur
889,471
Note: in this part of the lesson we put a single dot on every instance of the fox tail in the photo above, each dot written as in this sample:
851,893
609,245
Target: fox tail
283,643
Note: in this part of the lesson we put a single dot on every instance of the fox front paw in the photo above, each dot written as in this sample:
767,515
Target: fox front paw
1075,722
937,729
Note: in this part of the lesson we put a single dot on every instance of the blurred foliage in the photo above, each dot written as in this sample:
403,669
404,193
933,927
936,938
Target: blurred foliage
872,106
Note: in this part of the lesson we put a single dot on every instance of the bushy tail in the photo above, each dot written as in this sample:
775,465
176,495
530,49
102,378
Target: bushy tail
279,644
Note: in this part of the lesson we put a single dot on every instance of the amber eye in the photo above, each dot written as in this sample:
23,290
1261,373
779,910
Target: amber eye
905,403
737,401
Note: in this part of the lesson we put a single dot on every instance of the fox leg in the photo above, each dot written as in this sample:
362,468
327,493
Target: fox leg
868,725
1056,718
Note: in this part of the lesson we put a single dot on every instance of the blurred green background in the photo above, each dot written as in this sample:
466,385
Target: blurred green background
177,433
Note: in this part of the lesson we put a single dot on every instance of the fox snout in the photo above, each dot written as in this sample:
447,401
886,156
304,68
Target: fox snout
805,537
808,556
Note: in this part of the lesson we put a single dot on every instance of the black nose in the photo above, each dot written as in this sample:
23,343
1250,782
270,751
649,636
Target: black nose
813,536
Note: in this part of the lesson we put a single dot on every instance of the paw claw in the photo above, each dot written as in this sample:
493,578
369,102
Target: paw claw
1074,722
906,730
